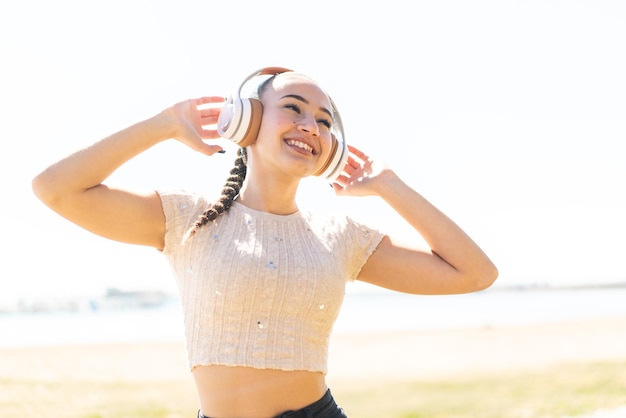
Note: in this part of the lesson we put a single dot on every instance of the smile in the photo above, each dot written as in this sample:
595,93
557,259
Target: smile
300,145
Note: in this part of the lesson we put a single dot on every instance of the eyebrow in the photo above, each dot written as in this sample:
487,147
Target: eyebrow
302,99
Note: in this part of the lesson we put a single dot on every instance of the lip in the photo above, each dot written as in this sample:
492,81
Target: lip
314,150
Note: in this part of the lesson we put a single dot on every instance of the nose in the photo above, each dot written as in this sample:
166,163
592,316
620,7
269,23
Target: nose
308,124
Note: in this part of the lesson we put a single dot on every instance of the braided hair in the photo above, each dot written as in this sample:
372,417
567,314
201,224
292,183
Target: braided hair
234,180
229,193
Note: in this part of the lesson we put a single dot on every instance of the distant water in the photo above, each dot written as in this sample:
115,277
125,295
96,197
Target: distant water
375,311
488,308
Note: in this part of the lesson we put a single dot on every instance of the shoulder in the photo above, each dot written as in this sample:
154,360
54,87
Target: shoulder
348,238
182,207
180,195
337,223
182,200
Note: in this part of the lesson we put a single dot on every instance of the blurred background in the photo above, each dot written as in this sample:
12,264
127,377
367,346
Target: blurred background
510,116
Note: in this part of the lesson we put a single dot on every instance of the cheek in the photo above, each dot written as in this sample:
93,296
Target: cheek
272,123
327,143
269,127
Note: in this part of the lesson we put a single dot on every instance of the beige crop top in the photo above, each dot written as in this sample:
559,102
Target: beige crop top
258,289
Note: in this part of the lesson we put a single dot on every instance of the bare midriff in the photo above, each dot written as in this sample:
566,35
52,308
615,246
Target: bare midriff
227,391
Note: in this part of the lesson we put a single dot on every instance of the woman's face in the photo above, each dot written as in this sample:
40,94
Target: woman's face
295,133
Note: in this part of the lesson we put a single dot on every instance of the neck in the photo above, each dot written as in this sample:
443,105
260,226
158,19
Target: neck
269,195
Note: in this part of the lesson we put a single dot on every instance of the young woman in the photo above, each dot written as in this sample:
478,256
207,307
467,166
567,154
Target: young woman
260,280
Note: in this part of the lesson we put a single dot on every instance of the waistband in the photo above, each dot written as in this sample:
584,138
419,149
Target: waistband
325,407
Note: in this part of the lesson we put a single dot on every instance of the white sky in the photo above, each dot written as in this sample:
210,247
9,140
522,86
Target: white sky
508,115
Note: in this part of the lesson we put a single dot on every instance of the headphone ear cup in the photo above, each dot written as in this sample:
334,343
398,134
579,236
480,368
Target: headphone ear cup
336,160
250,126
240,120
333,151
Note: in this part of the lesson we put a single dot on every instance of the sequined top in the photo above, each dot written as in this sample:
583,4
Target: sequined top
258,289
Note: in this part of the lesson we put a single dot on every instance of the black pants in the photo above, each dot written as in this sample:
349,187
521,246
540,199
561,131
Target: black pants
323,408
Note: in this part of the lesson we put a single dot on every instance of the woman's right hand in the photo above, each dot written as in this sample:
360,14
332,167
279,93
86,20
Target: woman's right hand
194,122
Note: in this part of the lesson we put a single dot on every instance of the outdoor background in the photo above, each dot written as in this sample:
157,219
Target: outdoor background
510,116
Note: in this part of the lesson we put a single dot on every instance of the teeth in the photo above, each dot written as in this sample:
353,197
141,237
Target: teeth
300,144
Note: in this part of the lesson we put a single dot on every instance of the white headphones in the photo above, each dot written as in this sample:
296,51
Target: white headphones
240,120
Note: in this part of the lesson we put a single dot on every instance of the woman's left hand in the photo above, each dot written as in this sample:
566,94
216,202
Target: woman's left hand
362,175
453,263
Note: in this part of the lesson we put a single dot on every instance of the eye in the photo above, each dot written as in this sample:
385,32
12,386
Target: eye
296,109
293,107
325,122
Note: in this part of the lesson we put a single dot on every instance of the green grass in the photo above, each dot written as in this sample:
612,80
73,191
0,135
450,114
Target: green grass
75,399
566,390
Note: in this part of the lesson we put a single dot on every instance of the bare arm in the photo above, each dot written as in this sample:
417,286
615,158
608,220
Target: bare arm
455,263
73,187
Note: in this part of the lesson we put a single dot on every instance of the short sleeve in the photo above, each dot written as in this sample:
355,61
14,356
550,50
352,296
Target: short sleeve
360,241
181,210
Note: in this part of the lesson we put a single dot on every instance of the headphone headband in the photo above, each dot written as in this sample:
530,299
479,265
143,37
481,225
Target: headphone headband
240,120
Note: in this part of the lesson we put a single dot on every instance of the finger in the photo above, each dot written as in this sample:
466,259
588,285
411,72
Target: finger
339,183
209,118
208,100
207,149
209,115
349,169
209,133
356,151
353,162
337,188
210,111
